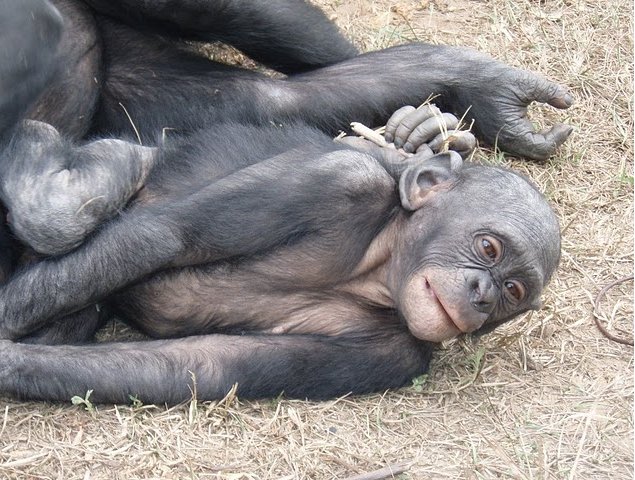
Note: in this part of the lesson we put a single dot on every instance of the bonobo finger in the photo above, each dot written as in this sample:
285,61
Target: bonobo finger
424,151
546,91
412,121
536,146
429,129
395,120
459,141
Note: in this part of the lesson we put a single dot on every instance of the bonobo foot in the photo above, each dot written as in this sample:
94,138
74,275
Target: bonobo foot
56,194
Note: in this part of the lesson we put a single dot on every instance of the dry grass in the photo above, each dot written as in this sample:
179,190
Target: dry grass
553,399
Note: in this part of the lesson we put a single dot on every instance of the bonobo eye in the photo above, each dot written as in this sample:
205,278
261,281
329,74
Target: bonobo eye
489,248
515,290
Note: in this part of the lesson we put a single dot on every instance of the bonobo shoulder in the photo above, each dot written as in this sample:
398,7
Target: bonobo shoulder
358,171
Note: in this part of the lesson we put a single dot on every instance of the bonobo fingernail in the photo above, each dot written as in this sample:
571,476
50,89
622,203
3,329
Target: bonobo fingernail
398,142
388,137
565,100
408,148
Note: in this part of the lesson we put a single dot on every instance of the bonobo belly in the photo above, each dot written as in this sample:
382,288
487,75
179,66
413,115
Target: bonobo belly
221,299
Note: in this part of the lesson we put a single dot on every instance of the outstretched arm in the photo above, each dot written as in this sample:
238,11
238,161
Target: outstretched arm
371,86
300,366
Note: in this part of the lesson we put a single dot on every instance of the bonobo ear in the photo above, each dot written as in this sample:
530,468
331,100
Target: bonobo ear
421,178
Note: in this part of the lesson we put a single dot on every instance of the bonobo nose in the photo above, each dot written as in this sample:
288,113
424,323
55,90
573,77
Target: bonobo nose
482,292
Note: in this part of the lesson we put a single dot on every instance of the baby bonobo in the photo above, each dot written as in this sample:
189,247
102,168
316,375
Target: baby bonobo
304,266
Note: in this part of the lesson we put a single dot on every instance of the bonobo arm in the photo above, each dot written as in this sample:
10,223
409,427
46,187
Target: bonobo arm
287,35
371,86
301,366
248,212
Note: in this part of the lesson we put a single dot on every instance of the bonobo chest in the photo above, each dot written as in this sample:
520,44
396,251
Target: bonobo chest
293,292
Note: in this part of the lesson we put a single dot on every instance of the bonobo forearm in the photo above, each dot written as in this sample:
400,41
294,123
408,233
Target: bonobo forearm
123,251
172,371
357,89
370,87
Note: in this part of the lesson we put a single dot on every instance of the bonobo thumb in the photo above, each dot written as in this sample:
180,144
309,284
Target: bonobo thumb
537,145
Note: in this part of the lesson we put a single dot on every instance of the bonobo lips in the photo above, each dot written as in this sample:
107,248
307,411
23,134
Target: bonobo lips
439,303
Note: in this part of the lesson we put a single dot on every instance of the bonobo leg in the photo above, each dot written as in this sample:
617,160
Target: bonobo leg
57,194
173,371
286,35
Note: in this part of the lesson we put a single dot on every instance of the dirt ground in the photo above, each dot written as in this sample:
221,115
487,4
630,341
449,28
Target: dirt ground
546,397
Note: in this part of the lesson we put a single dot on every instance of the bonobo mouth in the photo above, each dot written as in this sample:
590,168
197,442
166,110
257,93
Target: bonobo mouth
440,305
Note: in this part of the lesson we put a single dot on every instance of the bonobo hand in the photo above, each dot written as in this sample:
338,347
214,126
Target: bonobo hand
425,130
498,96
410,131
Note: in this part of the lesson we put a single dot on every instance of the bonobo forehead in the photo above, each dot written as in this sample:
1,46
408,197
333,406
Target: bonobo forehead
506,204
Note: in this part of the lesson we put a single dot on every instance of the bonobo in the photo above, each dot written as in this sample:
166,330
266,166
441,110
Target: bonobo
314,270
289,262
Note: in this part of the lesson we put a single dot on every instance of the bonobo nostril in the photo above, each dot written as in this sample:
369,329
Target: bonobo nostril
482,293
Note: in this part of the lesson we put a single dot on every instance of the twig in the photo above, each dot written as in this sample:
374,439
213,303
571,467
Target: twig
387,472
596,312
368,134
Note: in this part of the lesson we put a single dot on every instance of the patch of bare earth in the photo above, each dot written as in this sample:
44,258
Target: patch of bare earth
547,397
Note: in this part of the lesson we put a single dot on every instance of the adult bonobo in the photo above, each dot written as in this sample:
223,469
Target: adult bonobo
289,262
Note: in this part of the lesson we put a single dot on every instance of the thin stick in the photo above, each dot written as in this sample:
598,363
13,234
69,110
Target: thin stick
134,127
390,471
368,134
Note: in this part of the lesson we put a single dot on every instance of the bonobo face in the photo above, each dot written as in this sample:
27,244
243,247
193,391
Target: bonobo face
477,252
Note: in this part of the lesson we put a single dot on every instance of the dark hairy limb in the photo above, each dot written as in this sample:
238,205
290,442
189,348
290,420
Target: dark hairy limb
300,366
286,35
497,95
